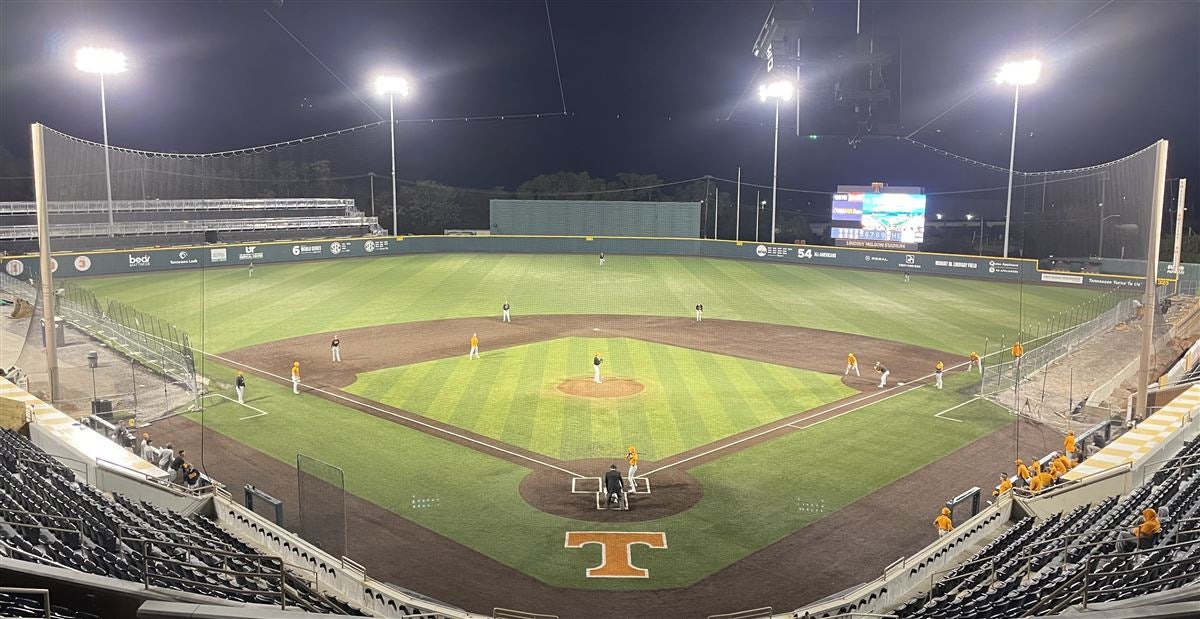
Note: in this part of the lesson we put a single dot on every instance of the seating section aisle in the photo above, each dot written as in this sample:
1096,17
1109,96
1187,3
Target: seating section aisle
1038,568
48,517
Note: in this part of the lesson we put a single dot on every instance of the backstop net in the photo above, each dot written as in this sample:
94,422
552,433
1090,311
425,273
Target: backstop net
321,491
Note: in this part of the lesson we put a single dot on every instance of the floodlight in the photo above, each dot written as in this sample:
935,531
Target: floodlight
970,216
779,89
391,85
99,60
1022,73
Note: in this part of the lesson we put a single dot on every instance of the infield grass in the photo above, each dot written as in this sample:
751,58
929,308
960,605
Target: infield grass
691,397
223,309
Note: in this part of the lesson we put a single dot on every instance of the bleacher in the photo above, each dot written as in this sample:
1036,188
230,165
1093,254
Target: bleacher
82,225
49,518
1042,568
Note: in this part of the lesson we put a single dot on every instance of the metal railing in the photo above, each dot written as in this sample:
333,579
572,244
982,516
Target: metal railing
754,613
45,593
128,206
268,573
28,232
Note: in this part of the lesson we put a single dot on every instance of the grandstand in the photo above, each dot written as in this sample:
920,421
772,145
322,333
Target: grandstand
83,224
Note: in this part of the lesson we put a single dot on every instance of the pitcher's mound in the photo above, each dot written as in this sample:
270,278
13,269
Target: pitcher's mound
610,388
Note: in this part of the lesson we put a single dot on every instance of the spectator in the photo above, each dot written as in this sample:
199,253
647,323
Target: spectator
149,451
1022,470
165,456
141,448
1147,530
1005,485
176,465
943,523
191,476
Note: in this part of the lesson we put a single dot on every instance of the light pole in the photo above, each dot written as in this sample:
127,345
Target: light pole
1100,251
1015,74
779,91
392,86
102,62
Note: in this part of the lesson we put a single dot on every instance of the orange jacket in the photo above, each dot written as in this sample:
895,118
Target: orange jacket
1149,525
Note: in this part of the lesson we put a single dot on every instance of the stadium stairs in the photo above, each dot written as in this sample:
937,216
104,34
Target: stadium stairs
1067,550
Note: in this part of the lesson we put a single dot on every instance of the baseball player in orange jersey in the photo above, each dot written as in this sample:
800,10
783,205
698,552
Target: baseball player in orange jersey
937,373
851,364
296,377
632,457
975,362
474,346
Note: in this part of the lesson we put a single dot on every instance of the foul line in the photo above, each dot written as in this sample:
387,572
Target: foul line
954,407
261,412
397,415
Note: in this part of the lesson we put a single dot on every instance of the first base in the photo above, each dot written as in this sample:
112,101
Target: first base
901,384
595,328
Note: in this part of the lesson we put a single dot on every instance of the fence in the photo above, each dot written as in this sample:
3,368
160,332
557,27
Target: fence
151,341
1062,333
180,227
321,490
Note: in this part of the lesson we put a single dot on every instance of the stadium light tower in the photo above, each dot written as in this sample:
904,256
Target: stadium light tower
392,86
779,91
102,62
1015,74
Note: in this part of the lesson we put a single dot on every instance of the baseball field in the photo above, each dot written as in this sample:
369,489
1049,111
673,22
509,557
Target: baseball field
751,437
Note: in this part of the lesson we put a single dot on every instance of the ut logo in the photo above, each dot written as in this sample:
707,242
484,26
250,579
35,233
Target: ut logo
615,551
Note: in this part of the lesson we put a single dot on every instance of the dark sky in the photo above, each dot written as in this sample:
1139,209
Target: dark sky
648,85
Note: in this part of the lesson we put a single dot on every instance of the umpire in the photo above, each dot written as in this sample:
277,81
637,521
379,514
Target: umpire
613,484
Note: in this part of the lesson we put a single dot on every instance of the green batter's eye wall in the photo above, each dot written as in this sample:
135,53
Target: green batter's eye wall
596,218
115,262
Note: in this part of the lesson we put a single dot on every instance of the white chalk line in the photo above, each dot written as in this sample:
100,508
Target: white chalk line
939,415
261,412
399,416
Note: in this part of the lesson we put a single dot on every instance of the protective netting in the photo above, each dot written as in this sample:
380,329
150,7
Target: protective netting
321,488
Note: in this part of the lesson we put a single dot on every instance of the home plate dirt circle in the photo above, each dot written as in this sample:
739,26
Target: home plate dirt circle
610,388
671,491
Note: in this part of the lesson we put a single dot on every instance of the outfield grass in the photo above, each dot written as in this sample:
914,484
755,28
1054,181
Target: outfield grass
691,397
751,498
223,309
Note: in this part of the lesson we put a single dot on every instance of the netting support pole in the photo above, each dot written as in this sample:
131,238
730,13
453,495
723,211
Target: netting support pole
392,128
737,217
107,172
1012,156
1179,210
1154,235
45,271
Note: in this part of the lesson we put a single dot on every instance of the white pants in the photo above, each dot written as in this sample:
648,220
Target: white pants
596,373
296,384
602,262
942,533
632,483
506,317
975,364
852,366
474,352
883,378
335,352
937,377
698,312
241,391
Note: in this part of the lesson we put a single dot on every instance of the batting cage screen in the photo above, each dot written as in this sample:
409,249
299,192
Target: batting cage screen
321,490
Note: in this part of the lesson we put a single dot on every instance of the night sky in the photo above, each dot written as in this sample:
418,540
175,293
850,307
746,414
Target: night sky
649,86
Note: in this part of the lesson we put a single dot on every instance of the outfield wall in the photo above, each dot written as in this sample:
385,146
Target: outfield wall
120,262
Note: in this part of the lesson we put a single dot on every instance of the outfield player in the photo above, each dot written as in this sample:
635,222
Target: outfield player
601,258
239,384
632,457
296,377
851,364
699,311
506,317
975,362
335,349
937,373
907,276
474,346
251,269
883,374
596,361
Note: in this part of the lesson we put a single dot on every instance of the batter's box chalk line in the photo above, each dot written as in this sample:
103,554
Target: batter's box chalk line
643,485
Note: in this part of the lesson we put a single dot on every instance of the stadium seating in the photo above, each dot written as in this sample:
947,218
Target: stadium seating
1037,568
48,517
19,604
142,223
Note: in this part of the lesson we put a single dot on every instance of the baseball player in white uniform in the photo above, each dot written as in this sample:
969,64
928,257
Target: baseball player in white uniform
883,374
596,361
699,311
506,317
335,349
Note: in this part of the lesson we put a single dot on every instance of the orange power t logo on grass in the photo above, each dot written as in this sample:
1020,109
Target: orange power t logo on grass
615,551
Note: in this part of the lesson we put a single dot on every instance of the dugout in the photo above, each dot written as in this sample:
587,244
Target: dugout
596,218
